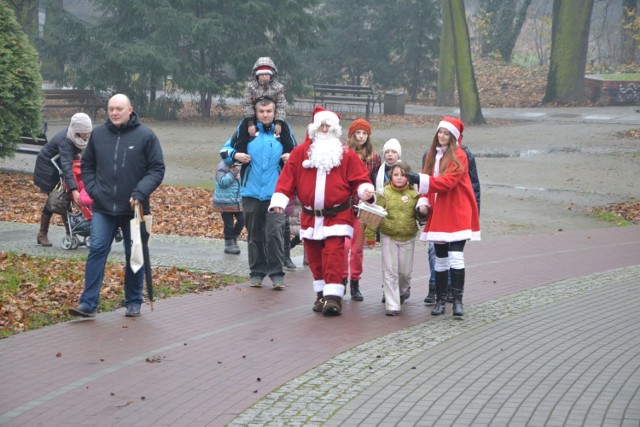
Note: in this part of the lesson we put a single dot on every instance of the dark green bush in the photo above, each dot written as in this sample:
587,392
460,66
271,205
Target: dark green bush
166,108
20,84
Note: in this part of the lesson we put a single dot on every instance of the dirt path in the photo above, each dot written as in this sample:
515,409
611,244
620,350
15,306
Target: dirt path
537,177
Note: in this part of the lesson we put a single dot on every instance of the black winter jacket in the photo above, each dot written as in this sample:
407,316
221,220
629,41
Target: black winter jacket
120,163
45,174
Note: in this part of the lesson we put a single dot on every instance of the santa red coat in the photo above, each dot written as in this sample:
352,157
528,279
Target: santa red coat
454,215
317,189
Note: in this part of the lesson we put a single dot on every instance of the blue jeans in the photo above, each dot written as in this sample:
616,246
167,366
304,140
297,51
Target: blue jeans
432,263
103,231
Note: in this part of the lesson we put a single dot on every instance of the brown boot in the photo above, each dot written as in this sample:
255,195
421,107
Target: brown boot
332,306
43,239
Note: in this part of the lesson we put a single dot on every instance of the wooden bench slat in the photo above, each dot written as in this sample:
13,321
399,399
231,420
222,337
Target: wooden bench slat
345,94
73,98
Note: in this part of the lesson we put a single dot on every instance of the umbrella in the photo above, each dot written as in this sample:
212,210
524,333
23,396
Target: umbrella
144,236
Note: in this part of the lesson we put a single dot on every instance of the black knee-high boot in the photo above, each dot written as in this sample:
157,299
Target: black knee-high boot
457,288
441,292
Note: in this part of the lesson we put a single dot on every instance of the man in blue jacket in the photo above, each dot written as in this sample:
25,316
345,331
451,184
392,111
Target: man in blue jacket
121,166
262,158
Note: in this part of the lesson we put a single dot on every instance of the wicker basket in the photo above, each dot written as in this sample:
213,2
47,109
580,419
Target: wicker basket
371,215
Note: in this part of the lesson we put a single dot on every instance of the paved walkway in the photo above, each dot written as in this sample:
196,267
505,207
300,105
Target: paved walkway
550,338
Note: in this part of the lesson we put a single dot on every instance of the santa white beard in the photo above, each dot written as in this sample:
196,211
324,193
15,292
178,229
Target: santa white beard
326,152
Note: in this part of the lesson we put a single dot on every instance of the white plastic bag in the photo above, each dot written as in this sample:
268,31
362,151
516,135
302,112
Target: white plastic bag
137,257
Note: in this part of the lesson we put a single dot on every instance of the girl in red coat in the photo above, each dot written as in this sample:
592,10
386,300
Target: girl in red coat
359,140
454,213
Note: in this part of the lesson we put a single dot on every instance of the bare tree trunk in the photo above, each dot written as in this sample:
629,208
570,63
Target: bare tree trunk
629,12
569,43
27,16
470,111
507,43
446,59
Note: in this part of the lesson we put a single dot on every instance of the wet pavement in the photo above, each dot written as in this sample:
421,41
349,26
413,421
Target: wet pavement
549,337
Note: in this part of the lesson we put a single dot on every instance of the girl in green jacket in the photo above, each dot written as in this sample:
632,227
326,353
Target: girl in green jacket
397,237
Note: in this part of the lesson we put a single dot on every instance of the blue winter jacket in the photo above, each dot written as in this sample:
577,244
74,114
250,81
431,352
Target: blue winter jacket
259,176
226,196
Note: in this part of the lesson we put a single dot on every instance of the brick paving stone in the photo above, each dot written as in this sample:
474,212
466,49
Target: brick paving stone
306,358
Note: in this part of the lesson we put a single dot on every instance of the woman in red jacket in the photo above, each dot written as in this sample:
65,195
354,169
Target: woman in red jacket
454,215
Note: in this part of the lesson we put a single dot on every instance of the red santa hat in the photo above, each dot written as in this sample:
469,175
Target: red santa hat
454,126
322,115
264,70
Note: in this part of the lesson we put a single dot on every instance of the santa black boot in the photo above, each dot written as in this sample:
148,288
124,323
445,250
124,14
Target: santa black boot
457,289
431,296
441,293
355,290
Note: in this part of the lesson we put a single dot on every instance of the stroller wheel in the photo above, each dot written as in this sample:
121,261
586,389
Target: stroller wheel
75,242
87,241
67,243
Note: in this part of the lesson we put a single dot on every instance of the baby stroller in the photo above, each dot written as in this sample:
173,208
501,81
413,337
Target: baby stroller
78,227
77,222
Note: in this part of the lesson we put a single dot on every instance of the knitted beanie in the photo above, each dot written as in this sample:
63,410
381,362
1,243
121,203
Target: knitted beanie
359,124
392,144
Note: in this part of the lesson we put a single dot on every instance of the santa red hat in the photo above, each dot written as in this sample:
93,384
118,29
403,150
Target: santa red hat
359,124
322,115
264,70
454,126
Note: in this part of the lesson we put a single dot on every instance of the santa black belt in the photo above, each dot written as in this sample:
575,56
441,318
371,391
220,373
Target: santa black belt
328,211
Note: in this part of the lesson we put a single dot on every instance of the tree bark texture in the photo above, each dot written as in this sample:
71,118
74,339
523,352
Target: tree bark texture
470,111
571,21
446,60
629,13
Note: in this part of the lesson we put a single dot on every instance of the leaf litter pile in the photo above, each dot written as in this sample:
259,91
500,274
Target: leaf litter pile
36,291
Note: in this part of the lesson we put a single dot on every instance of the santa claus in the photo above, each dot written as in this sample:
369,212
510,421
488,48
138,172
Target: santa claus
326,176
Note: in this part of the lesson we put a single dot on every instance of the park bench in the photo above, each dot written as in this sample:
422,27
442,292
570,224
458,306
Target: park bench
336,97
85,100
28,142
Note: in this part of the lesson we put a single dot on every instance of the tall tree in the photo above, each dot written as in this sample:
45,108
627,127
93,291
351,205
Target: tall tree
501,23
346,52
218,33
569,42
204,46
20,84
629,15
412,52
27,16
63,37
134,55
468,97
365,46
447,60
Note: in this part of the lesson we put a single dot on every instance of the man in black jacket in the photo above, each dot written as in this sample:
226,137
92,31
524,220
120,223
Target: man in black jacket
122,165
